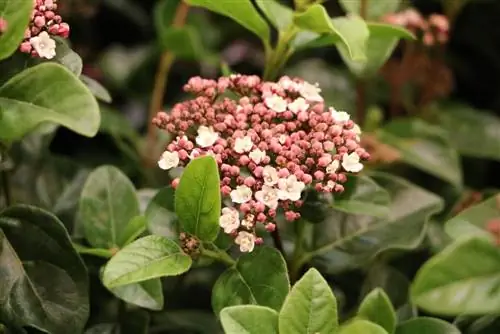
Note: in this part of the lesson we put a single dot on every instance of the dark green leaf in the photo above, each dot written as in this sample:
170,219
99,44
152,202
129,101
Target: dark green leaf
97,89
374,9
377,308
114,123
17,15
164,13
132,231
160,214
181,321
184,42
147,294
249,319
279,15
426,325
359,326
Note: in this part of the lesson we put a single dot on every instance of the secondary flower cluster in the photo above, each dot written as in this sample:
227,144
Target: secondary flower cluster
270,142
45,22
433,30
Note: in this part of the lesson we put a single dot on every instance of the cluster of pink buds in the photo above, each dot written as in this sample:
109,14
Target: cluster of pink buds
433,30
45,22
270,142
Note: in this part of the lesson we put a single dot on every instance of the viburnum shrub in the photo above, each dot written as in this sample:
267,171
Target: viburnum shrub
271,141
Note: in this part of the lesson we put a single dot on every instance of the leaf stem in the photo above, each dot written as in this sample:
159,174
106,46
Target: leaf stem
276,59
218,255
166,61
297,258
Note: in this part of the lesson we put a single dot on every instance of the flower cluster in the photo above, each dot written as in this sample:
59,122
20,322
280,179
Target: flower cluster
45,22
433,30
270,142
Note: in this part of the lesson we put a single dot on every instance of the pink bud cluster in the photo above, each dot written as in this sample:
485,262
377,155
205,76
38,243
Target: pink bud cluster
270,141
433,30
44,18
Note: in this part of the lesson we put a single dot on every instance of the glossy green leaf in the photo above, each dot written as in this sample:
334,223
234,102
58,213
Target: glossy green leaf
425,147
473,220
17,15
144,259
198,199
363,195
184,42
244,14
310,307
135,227
279,15
374,9
377,308
259,277
160,214
351,31
107,204
46,93
461,280
147,294
44,281
249,319
96,89
426,325
359,326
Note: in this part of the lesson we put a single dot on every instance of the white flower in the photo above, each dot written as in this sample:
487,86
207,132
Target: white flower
257,155
246,241
169,160
230,220
241,194
206,136
357,130
242,145
330,185
339,116
248,221
310,92
276,103
350,162
270,175
268,196
44,45
300,104
282,139
333,167
290,188
288,84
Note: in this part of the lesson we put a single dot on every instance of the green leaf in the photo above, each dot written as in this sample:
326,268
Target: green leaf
144,259
377,308
114,123
17,15
160,214
132,231
343,241
46,93
107,205
67,57
198,199
164,13
44,281
425,147
473,220
100,252
249,319
259,277
184,42
351,31
461,280
96,89
374,9
310,307
426,325
244,14
279,15
147,294
363,195
362,327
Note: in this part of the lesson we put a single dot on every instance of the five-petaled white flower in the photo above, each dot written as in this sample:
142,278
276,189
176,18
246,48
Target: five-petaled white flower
270,175
350,162
300,104
357,130
268,196
333,167
242,145
276,103
310,92
339,116
206,136
168,160
246,241
290,188
230,220
241,194
257,155
44,45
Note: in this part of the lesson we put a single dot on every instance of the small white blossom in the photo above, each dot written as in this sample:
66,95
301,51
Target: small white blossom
339,116
330,185
206,136
282,139
230,220
248,222
242,145
300,104
290,188
350,162
276,103
44,45
169,160
257,155
241,194
357,130
268,196
246,241
333,167
310,92
288,84
270,175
